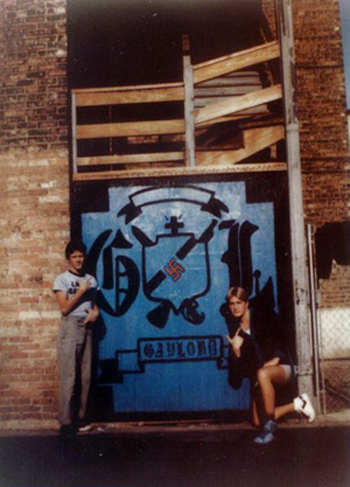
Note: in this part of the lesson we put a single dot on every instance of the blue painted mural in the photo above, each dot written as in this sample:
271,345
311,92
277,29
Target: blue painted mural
164,258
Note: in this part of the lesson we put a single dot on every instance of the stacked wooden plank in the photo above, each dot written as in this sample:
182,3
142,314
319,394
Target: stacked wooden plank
218,117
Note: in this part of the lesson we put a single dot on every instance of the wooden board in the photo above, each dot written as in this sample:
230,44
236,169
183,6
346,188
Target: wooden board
218,91
255,140
243,115
232,79
236,104
234,62
106,130
184,171
130,158
125,96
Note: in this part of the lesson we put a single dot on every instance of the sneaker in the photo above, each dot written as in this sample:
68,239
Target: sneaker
268,433
84,425
67,432
303,405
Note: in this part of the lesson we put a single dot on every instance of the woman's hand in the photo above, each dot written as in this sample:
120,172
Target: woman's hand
236,342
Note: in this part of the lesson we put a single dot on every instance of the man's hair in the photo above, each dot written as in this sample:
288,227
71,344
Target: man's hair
73,246
238,292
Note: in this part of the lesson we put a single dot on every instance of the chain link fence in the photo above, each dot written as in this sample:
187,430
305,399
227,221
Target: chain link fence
334,324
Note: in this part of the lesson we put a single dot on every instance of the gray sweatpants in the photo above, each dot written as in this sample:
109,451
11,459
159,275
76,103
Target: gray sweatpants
73,348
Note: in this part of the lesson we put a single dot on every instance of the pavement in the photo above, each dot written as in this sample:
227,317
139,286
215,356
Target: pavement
177,454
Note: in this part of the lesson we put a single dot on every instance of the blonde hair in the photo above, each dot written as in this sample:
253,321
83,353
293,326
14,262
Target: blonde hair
238,292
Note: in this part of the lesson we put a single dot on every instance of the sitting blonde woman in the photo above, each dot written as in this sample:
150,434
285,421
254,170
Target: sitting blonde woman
258,353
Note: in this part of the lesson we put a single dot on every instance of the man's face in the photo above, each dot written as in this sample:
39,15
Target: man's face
237,306
76,261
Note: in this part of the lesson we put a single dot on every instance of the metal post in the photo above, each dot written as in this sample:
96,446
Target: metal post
314,314
298,245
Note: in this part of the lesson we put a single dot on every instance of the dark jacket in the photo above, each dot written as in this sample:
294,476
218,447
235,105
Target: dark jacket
264,343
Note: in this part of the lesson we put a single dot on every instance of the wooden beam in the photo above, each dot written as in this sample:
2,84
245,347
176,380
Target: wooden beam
237,104
126,95
126,88
189,104
251,113
106,130
233,79
131,158
255,140
234,62
74,137
179,171
205,102
221,91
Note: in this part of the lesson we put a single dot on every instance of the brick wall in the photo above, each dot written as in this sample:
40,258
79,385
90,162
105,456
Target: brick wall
324,139
33,90
34,221
324,143
322,110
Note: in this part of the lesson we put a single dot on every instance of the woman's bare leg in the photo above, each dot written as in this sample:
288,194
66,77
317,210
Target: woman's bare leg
281,411
268,378
255,415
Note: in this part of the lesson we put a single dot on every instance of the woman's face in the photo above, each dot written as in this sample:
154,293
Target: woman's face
237,307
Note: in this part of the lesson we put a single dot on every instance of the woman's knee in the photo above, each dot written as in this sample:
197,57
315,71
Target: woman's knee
263,375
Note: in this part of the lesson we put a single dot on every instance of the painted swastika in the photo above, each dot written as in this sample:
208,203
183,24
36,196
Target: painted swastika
174,270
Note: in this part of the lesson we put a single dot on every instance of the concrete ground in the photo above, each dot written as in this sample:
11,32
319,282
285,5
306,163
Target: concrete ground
177,454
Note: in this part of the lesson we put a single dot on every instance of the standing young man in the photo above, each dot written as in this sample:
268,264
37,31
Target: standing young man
76,294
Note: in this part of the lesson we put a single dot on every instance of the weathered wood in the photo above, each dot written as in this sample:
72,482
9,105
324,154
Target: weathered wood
266,120
130,158
221,91
126,95
183,171
234,62
233,79
143,139
220,88
238,103
126,87
204,102
251,112
106,130
189,105
255,140
74,135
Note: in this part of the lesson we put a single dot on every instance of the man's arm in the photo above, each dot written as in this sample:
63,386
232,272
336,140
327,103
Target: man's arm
67,305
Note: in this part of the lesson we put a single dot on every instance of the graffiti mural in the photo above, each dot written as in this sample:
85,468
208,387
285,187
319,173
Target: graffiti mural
164,258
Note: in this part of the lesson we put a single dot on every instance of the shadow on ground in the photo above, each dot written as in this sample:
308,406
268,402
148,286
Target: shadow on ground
300,457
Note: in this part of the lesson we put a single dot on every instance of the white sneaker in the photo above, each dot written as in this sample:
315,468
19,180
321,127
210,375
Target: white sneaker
302,404
84,426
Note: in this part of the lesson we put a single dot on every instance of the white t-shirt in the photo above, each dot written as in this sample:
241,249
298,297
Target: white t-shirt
69,283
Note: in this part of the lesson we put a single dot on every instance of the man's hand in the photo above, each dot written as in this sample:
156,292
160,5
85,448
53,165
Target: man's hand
66,304
92,315
85,285
236,342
